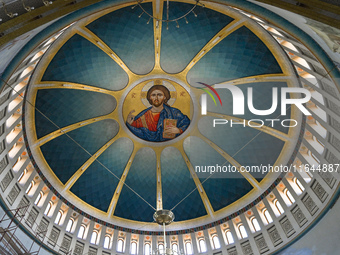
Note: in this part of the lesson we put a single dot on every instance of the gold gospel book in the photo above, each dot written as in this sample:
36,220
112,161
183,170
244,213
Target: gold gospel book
167,123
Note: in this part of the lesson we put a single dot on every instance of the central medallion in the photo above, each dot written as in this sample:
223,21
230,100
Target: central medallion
157,110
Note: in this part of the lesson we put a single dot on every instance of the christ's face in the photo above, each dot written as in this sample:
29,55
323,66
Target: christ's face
157,97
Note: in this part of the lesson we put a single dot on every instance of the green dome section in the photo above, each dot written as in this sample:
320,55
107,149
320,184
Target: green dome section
80,61
142,178
263,149
177,181
65,107
102,181
65,155
241,54
180,45
222,188
129,36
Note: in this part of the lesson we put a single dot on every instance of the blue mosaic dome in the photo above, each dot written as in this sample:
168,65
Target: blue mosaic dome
99,69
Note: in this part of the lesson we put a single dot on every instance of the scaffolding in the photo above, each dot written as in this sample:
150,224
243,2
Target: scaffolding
10,244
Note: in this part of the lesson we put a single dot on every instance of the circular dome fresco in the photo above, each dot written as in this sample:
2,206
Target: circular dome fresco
131,117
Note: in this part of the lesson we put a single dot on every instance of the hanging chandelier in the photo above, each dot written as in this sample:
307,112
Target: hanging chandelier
164,218
168,19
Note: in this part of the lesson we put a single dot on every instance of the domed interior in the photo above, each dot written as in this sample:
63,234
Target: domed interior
97,72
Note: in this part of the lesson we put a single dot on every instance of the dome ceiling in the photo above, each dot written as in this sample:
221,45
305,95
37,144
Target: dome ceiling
100,69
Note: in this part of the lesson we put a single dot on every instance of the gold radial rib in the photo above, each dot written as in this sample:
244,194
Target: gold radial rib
70,85
258,78
266,129
69,128
88,163
223,33
120,185
159,181
198,183
231,160
86,33
157,8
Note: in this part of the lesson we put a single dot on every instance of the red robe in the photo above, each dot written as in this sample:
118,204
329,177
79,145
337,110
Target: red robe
149,120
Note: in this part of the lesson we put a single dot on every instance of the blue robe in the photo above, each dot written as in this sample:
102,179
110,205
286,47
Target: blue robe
167,113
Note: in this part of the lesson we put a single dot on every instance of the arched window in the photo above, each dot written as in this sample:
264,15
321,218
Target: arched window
48,208
30,186
81,232
147,249
69,225
120,245
37,200
216,242
298,184
255,224
188,248
229,236
107,242
315,157
278,206
202,245
94,237
22,175
242,231
174,247
161,248
133,250
267,216
58,218
289,196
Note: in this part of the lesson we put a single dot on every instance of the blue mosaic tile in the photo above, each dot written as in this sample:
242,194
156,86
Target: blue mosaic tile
262,100
129,36
223,191
180,45
222,188
263,149
142,178
178,183
65,156
80,61
241,54
101,181
67,106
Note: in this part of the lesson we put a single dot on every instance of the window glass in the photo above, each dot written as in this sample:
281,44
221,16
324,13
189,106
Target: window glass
58,218
133,248
120,245
81,232
147,249
161,248
243,231
267,216
188,248
38,198
290,197
256,224
94,237
175,247
69,225
203,246
279,207
48,208
229,236
107,241
216,242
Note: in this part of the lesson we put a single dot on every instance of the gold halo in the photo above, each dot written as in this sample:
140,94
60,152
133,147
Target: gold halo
165,83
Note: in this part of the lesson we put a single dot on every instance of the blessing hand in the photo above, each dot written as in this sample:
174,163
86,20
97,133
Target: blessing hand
130,118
